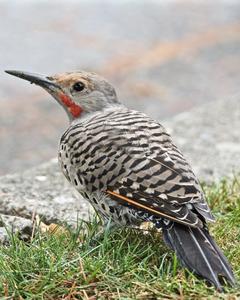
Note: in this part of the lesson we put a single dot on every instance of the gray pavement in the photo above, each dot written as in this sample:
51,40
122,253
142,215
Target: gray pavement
209,137
164,57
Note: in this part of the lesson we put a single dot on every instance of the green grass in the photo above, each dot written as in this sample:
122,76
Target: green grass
124,264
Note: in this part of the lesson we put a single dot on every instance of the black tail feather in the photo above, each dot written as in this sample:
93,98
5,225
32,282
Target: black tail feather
197,251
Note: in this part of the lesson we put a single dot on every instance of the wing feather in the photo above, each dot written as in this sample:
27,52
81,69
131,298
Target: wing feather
136,162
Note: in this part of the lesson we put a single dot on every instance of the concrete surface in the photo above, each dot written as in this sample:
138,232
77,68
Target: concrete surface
164,57
19,225
43,191
208,136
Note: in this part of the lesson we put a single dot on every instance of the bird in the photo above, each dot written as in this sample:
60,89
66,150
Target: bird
127,166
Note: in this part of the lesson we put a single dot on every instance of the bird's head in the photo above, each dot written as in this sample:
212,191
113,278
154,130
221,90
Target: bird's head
79,93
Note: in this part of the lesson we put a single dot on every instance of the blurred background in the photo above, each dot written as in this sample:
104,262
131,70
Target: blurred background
163,57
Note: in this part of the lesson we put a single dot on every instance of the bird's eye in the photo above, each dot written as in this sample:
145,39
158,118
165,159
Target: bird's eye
78,86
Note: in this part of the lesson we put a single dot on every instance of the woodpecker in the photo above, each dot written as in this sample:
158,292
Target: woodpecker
127,166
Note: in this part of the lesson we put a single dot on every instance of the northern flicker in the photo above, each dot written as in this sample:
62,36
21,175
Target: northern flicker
129,169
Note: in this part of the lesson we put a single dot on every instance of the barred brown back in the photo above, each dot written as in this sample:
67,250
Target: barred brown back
130,157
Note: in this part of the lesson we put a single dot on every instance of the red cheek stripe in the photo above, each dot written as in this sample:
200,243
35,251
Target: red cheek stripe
74,109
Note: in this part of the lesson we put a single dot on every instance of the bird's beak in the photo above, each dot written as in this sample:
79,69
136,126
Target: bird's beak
40,80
